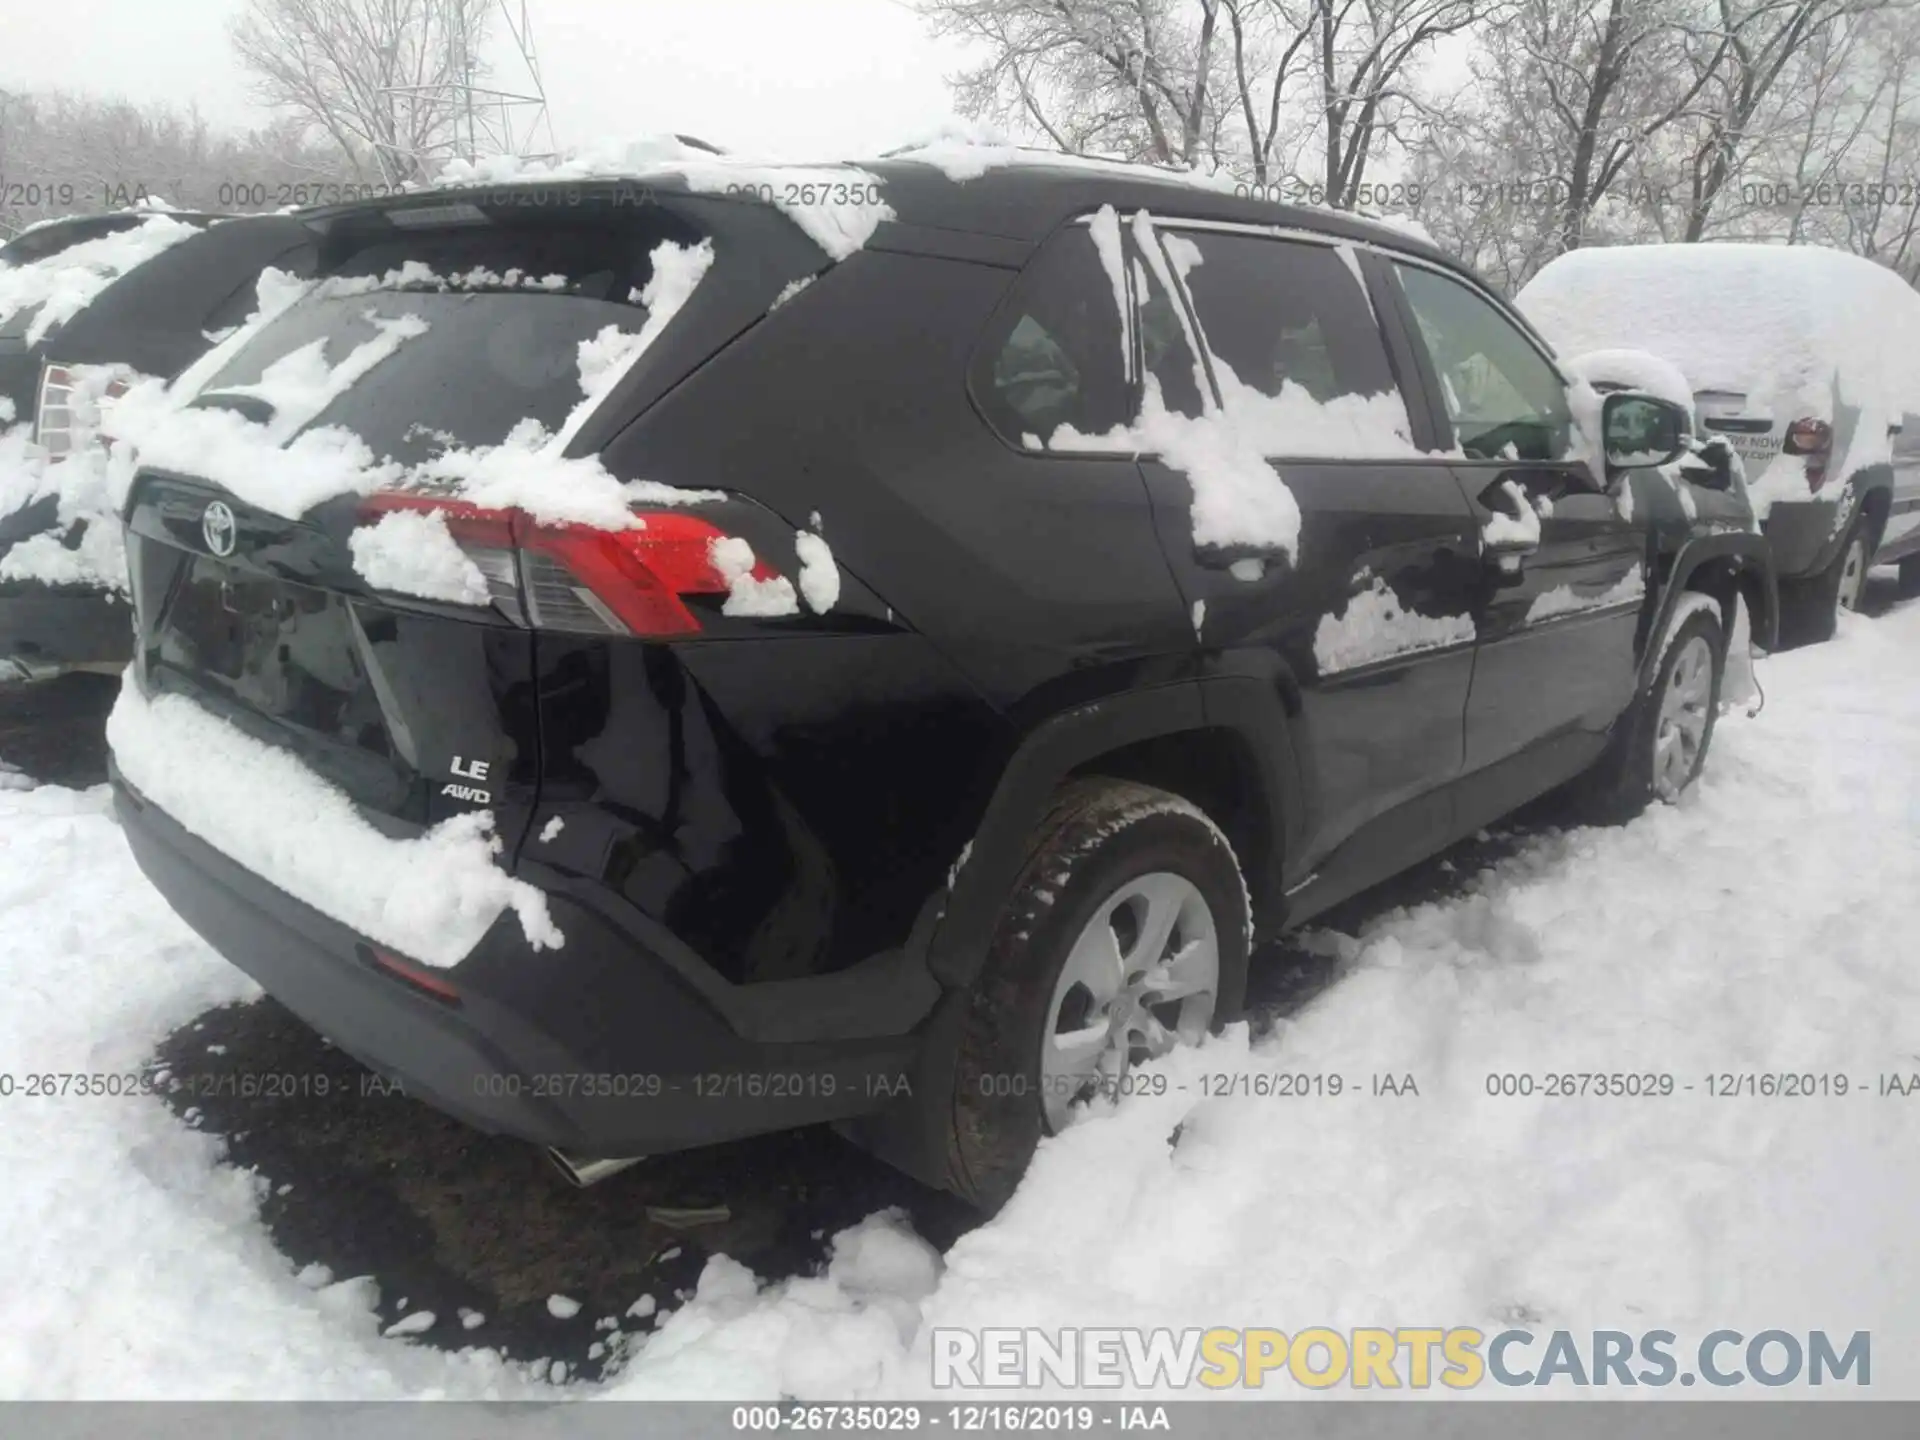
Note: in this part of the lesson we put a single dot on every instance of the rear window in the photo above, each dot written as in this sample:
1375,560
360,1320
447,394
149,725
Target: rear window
502,344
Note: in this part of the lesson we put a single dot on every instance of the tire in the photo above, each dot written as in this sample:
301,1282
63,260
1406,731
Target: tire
1810,607
1677,709
1909,577
1110,856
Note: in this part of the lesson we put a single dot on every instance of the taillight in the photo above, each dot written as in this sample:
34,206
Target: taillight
581,579
1814,440
53,418
53,411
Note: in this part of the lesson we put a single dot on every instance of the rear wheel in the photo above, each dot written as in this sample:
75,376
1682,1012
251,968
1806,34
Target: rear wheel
1662,741
1809,608
1126,935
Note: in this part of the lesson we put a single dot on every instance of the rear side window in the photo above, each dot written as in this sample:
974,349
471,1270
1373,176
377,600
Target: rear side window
1052,357
1504,399
1279,312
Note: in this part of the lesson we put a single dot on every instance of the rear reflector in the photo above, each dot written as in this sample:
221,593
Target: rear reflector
1813,439
581,579
417,976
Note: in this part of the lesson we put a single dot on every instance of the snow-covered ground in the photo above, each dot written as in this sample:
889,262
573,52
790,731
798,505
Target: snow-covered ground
1762,926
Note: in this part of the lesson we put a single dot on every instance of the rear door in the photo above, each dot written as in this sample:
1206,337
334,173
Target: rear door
1370,617
1557,613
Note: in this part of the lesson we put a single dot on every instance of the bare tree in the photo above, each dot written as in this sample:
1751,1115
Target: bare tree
64,154
1267,45
1125,77
381,78
1363,51
1738,55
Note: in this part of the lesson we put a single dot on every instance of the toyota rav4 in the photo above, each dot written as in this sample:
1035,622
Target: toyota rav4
653,660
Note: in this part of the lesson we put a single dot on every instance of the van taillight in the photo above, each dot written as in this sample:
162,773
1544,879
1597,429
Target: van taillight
53,408
1814,440
581,579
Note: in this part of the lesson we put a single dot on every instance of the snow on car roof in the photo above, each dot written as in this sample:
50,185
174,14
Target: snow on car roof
1767,320
69,280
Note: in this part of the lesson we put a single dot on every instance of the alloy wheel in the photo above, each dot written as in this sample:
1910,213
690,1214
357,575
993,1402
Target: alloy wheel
1681,727
1141,977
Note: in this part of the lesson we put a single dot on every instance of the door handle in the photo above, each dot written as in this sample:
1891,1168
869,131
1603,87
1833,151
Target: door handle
1228,557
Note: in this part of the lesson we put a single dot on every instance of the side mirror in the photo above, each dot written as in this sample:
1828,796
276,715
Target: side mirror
1642,430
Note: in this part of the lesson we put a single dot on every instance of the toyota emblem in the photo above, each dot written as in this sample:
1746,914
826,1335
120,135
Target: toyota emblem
218,528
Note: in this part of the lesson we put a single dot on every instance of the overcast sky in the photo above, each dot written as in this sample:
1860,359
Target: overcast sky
806,77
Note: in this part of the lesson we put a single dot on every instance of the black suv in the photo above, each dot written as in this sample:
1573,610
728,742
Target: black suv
154,317
946,849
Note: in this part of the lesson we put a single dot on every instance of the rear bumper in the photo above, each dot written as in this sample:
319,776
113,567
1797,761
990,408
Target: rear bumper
596,1047
1802,536
49,630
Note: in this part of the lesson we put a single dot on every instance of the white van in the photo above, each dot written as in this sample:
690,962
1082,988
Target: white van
1807,360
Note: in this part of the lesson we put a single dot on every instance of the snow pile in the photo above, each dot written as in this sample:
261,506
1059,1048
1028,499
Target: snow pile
837,206
1799,330
1519,528
1375,626
822,1337
430,898
819,576
411,552
1565,600
66,282
747,594
115,1210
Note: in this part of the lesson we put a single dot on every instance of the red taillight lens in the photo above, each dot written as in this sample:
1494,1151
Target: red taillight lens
1812,439
582,579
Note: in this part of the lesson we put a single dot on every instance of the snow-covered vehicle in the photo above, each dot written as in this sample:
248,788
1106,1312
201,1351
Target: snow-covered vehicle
500,704
87,304
1806,360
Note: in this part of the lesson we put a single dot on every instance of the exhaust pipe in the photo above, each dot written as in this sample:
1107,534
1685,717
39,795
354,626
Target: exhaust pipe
581,1172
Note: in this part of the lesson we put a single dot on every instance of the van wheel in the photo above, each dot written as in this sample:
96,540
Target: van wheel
1910,577
1662,741
1810,607
1126,935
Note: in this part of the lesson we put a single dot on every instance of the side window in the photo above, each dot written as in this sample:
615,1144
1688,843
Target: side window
1164,350
1279,313
1054,356
1504,399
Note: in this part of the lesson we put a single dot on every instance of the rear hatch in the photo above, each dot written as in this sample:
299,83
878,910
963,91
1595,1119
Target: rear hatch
248,598
1754,434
